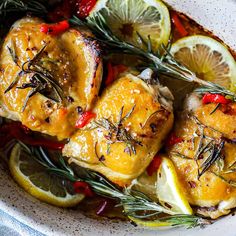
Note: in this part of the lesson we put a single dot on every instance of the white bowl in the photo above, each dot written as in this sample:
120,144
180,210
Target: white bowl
219,16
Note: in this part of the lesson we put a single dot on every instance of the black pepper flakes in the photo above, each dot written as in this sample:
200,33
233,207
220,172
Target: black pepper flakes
153,127
79,110
192,184
102,158
47,120
70,99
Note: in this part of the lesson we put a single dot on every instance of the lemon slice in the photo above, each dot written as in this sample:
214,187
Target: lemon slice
146,184
164,187
35,180
150,223
208,58
189,221
127,17
168,188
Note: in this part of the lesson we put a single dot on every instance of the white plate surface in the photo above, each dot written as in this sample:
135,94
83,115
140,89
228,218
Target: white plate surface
218,16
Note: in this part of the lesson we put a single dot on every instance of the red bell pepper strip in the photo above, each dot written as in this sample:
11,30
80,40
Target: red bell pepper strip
55,29
84,7
15,130
110,74
154,165
173,139
113,72
84,119
84,188
215,98
179,26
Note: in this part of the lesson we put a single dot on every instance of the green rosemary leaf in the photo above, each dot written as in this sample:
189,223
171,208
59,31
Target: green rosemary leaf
122,119
230,182
135,203
186,220
29,95
200,143
13,83
216,107
214,155
181,155
166,64
117,132
13,54
41,82
11,6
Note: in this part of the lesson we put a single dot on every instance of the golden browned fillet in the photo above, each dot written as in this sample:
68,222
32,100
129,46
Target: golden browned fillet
70,60
212,190
128,131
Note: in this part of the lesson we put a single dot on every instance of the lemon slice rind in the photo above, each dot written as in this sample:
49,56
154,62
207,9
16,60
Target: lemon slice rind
213,62
169,189
147,17
45,196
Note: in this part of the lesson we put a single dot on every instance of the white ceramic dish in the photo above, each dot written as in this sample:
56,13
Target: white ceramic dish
219,16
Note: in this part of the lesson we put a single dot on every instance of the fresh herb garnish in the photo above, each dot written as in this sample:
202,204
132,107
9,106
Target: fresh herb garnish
117,132
41,80
11,6
164,63
207,147
135,203
229,182
214,155
216,107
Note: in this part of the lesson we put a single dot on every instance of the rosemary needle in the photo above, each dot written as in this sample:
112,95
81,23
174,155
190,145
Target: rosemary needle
10,6
164,63
41,80
135,203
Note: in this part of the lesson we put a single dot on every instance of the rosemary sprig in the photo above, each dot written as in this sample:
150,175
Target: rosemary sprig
135,203
164,63
229,182
41,80
215,154
11,6
207,147
117,132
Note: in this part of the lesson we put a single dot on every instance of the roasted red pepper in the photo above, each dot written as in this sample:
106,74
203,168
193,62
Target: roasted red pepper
84,119
55,29
179,26
113,71
110,74
84,7
84,188
215,98
15,130
173,139
154,165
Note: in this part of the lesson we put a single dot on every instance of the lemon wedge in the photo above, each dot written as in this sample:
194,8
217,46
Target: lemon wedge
128,19
208,58
168,188
38,182
164,187
150,223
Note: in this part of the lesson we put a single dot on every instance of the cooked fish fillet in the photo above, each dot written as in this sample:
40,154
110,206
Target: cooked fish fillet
147,122
72,59
214,192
